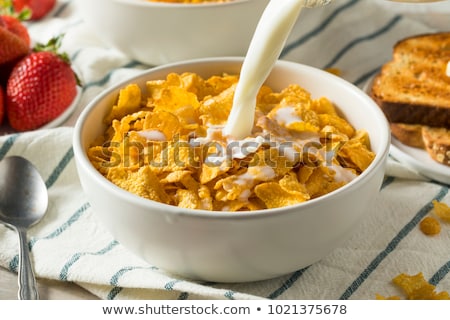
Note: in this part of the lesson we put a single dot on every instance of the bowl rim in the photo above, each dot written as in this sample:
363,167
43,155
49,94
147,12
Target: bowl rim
151,4
82,158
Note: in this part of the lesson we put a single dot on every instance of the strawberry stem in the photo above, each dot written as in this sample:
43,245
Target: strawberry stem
7,9
53,45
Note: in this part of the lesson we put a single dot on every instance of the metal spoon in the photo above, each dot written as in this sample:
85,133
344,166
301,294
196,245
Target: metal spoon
265,47
23,202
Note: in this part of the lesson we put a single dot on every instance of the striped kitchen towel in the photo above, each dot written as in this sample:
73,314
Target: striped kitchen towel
354,36
71,245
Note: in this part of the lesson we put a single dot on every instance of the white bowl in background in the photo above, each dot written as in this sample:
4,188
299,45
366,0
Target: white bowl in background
239,246
155,33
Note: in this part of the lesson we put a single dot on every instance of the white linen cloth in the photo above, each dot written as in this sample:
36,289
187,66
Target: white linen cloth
355,36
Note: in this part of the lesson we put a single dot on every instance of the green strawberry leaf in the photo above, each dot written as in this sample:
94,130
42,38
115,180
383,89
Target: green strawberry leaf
7,8
53,45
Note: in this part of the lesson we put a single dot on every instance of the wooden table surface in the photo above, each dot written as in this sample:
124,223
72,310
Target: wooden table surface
48,289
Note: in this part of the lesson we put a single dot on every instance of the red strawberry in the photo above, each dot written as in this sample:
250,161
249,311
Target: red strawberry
14,39
39,8
2,104
41,86
15,25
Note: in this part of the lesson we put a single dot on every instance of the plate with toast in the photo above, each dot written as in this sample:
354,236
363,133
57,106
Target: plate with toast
413,91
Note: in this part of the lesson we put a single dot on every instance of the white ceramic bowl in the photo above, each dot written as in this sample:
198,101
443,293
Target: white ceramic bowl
241,246
156,33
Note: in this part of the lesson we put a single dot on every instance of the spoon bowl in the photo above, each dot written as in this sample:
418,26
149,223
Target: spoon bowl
23,203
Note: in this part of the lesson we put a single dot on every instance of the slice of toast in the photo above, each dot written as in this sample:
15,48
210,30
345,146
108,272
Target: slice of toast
413,90
408,134
413,87
435,140
437,143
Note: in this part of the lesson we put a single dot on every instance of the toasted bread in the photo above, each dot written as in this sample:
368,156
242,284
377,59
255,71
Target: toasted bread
435,140
413,90
408,134
437,143
413,87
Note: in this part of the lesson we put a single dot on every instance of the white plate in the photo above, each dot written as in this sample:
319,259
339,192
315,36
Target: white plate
416,158
419,160
6,129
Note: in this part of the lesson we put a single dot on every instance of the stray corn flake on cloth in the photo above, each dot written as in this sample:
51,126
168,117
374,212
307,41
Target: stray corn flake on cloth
71,245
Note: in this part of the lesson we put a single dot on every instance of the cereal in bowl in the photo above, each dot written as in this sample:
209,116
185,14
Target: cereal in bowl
168,145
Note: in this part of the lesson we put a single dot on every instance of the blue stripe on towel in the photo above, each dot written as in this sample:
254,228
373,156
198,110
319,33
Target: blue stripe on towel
113,293
440,274
7,145
356,41
183,296
317,30
387,181
75,55
65,270
392,245
229,295
169,285
14,263
366,76
73,218
287,284
59,168
60,9
115,280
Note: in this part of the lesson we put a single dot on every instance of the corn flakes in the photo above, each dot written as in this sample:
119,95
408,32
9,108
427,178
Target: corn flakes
430,226
168,145
441,210
415,287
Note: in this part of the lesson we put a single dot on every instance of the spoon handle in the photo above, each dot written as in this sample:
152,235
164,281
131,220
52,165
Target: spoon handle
27,281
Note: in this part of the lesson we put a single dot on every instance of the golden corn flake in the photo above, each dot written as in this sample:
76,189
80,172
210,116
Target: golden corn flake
417,288
323,106
167,145
288,191
129,101
380,297
355,154
430,226
441,210
274,196
141,182
335,71
214,110
187,199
